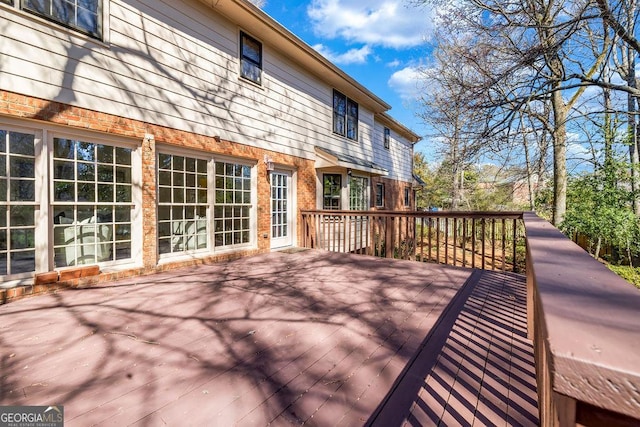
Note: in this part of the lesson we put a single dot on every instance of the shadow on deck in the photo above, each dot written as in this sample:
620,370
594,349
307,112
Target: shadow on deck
309,338
476,366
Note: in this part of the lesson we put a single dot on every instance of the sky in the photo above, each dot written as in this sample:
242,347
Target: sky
380,43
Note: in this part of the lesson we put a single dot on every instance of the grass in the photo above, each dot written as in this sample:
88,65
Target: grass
630,274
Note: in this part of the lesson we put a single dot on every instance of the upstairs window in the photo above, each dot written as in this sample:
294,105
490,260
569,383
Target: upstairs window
332,186
345,116
387,137
250,58
81,15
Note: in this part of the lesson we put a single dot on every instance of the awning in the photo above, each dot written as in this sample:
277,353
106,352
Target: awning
418,182
328,159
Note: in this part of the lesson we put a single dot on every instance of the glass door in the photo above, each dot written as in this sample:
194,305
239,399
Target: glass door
281,210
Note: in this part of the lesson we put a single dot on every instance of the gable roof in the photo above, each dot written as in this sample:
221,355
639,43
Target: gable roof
401,129
276,36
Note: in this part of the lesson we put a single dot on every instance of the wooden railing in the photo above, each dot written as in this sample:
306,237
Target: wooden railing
583,319
486,240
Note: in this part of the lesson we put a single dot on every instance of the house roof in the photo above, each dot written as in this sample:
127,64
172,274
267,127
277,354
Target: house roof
401,129
328,158
276,36
418,182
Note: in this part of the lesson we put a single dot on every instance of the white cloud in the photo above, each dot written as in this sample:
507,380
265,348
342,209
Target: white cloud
352,56
394,64
388,23
405,82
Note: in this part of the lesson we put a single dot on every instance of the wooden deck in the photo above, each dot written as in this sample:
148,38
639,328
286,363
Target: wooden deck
306,337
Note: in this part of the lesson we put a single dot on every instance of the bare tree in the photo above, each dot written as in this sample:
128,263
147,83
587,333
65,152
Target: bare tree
524,52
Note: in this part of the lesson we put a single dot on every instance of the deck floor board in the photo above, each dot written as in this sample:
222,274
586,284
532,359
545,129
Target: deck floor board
302,338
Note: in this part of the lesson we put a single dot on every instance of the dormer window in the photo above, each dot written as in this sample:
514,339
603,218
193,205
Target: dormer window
345,116
250,59
81,15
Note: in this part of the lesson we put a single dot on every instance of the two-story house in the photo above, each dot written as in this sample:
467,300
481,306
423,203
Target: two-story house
142,135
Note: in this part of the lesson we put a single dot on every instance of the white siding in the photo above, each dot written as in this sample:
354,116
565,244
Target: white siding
398,159
175,64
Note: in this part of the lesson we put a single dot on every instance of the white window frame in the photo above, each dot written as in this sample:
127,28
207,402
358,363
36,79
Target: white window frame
253,220
136,193
365,196
174,151
39,203
44,136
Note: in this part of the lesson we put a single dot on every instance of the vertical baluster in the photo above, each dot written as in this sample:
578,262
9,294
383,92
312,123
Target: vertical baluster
407,238
429,238
332,225
330,234
369,230
463,242
446,241
371,250
515,238
484,220
422,239
493,243
438,227
504,241
347,233
473,243
455,241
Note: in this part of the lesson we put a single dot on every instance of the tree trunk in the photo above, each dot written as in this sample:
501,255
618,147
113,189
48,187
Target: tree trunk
559,157
629,55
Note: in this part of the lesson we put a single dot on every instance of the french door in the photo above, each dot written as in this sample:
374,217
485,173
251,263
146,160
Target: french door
281,210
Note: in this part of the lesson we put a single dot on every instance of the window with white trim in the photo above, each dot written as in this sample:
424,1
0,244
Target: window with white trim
387,137
345,116
380,195
358,193
232,204
81,15
17,203
250,58
182,203
332,191
92,200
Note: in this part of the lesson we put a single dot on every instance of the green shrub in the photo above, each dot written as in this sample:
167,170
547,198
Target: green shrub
630,274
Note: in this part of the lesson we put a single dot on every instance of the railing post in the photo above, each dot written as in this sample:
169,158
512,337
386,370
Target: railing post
389,236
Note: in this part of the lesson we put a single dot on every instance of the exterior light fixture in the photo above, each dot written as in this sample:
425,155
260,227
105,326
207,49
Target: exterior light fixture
268,161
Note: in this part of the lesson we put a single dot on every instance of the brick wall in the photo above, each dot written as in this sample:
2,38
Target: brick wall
24,107
393,194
